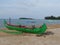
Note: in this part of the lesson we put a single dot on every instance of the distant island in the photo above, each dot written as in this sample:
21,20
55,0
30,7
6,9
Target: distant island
52,18
27,18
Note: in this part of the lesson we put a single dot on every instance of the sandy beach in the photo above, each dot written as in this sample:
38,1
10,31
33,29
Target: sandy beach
52,38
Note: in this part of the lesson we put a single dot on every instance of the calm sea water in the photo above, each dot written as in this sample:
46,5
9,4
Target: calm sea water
29,22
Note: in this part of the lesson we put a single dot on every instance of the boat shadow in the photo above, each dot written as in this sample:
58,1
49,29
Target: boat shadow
45,34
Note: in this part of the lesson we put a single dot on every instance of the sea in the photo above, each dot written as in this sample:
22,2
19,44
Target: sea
27,22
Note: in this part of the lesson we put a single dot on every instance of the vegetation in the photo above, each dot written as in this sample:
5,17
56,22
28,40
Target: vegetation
27,18
52,18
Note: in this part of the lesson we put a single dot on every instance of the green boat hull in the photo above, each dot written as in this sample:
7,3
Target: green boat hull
27,30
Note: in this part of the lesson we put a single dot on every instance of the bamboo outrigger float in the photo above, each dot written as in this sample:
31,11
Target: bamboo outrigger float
26,30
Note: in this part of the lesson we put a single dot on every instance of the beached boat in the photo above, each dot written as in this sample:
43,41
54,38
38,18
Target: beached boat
27,30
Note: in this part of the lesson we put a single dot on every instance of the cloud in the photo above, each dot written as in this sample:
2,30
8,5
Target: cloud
29,7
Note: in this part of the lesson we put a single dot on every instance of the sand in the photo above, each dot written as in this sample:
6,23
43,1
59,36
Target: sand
53,26
53,38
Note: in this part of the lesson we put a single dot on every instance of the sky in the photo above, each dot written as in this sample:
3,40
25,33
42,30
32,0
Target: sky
29,8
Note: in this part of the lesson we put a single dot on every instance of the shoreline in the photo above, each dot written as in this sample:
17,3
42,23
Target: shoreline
49,26
53,26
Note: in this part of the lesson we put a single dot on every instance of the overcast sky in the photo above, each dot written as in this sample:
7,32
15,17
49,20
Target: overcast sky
29,8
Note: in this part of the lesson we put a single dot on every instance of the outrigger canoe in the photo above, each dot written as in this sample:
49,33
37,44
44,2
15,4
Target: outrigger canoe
27,30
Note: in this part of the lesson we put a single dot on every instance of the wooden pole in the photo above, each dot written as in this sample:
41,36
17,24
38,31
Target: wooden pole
9,20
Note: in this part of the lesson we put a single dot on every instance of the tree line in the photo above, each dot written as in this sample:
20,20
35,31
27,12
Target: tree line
53,17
